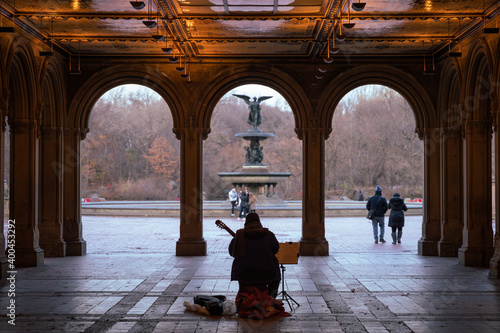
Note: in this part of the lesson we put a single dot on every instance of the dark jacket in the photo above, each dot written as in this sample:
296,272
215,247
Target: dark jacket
259,262
398,207
244,200
380,208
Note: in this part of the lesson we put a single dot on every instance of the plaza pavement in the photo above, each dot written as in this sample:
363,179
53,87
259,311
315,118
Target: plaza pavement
131,281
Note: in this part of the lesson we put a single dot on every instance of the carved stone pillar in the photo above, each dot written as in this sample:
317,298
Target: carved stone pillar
477,247
451,193
191,242
313,241
51,199
4,108
72,217
24,191
495,260
431,226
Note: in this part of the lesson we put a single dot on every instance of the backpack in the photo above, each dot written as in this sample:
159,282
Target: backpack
212,303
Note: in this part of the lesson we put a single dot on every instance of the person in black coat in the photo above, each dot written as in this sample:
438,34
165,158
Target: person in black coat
397,217
243,205
254,250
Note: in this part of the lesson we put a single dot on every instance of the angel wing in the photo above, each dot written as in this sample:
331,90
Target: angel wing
263,98
244,97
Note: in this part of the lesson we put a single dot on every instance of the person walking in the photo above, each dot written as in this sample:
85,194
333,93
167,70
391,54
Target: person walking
252,202
233,198
397,217
379,205
243,205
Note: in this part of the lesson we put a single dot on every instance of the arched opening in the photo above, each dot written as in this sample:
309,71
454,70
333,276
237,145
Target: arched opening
373,142
263,158
130,164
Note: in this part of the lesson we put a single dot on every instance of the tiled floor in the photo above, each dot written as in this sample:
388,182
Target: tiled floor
131,281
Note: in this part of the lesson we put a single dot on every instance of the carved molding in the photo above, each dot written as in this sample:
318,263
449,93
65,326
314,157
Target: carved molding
452,133
4,108
22,126
191,125
495,113
83,133
476,127
38,119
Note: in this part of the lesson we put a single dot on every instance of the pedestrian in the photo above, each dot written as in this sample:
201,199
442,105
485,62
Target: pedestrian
361,197
397,217
252,202
233,198
379,205
243,205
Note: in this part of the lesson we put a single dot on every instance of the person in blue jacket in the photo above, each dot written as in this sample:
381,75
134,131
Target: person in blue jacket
379,205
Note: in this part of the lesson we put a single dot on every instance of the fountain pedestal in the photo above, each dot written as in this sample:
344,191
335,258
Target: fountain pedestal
254,174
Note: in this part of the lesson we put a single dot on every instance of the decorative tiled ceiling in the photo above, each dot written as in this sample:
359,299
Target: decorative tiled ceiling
249,28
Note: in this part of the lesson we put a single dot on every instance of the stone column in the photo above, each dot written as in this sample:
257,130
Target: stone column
191,242
72,218
477,247
495,260
431,226
4,103
313,241
51,199
451,193
24,191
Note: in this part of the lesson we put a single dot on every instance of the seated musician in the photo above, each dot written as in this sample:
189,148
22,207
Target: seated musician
254,250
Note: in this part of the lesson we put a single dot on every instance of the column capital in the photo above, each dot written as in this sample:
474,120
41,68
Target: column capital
190,130
78,133
475,127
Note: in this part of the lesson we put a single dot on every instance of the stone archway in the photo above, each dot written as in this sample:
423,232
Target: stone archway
51,164
477,247
308,129
24,118
76,128
451,160
418,96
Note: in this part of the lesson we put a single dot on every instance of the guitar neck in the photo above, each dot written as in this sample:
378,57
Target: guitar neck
232,233
222,225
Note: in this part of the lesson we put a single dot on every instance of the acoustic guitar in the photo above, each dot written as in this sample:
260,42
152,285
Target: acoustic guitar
222,225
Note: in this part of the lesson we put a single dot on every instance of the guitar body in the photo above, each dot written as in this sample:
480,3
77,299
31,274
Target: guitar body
222,225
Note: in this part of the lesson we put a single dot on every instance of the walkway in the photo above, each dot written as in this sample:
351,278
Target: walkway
131,281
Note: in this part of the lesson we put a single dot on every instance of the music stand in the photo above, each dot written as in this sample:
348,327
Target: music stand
287,254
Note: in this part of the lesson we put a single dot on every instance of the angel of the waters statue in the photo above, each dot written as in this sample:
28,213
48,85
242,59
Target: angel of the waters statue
254,117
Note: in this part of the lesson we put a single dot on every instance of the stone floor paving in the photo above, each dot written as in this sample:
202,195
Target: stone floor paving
131,281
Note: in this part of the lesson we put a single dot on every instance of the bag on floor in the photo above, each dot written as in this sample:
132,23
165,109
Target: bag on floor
212,303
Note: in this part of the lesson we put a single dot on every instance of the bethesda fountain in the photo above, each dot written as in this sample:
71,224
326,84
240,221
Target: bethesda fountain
254,174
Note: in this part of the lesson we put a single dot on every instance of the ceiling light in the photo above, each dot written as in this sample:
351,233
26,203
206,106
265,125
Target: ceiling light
349,25
158,38
149,23
138,4
180,68
166,49
358,6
